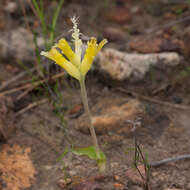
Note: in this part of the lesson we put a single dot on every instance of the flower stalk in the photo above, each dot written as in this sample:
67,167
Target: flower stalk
87,110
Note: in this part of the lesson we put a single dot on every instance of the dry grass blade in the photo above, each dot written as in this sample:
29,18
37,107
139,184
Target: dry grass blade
31,85
152,100
32,105
15,78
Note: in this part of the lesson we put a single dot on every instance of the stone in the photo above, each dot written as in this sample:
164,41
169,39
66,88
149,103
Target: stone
145,46
156,45
11,7
16,8
111,115
18,44
113,34
119,15
121,66
114,119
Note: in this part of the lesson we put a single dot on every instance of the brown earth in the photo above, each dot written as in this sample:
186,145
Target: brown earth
29,158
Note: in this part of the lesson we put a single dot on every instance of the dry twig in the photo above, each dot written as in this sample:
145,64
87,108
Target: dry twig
24,93
15,78
32,105
167,160
146,98
30,85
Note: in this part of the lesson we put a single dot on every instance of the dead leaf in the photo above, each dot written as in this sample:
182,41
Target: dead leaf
17,169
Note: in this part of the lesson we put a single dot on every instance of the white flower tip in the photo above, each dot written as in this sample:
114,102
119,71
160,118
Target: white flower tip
105,41
74,19
43,53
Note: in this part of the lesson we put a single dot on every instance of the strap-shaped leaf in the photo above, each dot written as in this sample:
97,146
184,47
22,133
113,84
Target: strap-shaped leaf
91,153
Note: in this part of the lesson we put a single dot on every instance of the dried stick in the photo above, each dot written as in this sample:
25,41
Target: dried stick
30,106
33,9
15,78
20,75
30,85
167,160
145,177
146,98
136,161
24,93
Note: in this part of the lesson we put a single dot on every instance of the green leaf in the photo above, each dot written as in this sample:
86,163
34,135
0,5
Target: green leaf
91,153
101,162
54,20
41,16
87,151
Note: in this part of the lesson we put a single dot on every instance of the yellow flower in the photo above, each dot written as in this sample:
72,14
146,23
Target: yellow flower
91,51
73,64
54,55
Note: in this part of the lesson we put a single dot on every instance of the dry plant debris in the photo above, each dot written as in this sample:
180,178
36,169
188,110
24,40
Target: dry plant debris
6,117
16,167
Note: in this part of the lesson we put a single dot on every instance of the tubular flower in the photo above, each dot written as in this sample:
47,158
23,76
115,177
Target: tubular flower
73,64
91,51
54,55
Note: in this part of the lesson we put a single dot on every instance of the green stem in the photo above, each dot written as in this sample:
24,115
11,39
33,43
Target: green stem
87,110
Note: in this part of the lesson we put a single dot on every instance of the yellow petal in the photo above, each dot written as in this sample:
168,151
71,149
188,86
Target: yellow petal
68,52
54,55
101,44
91,51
